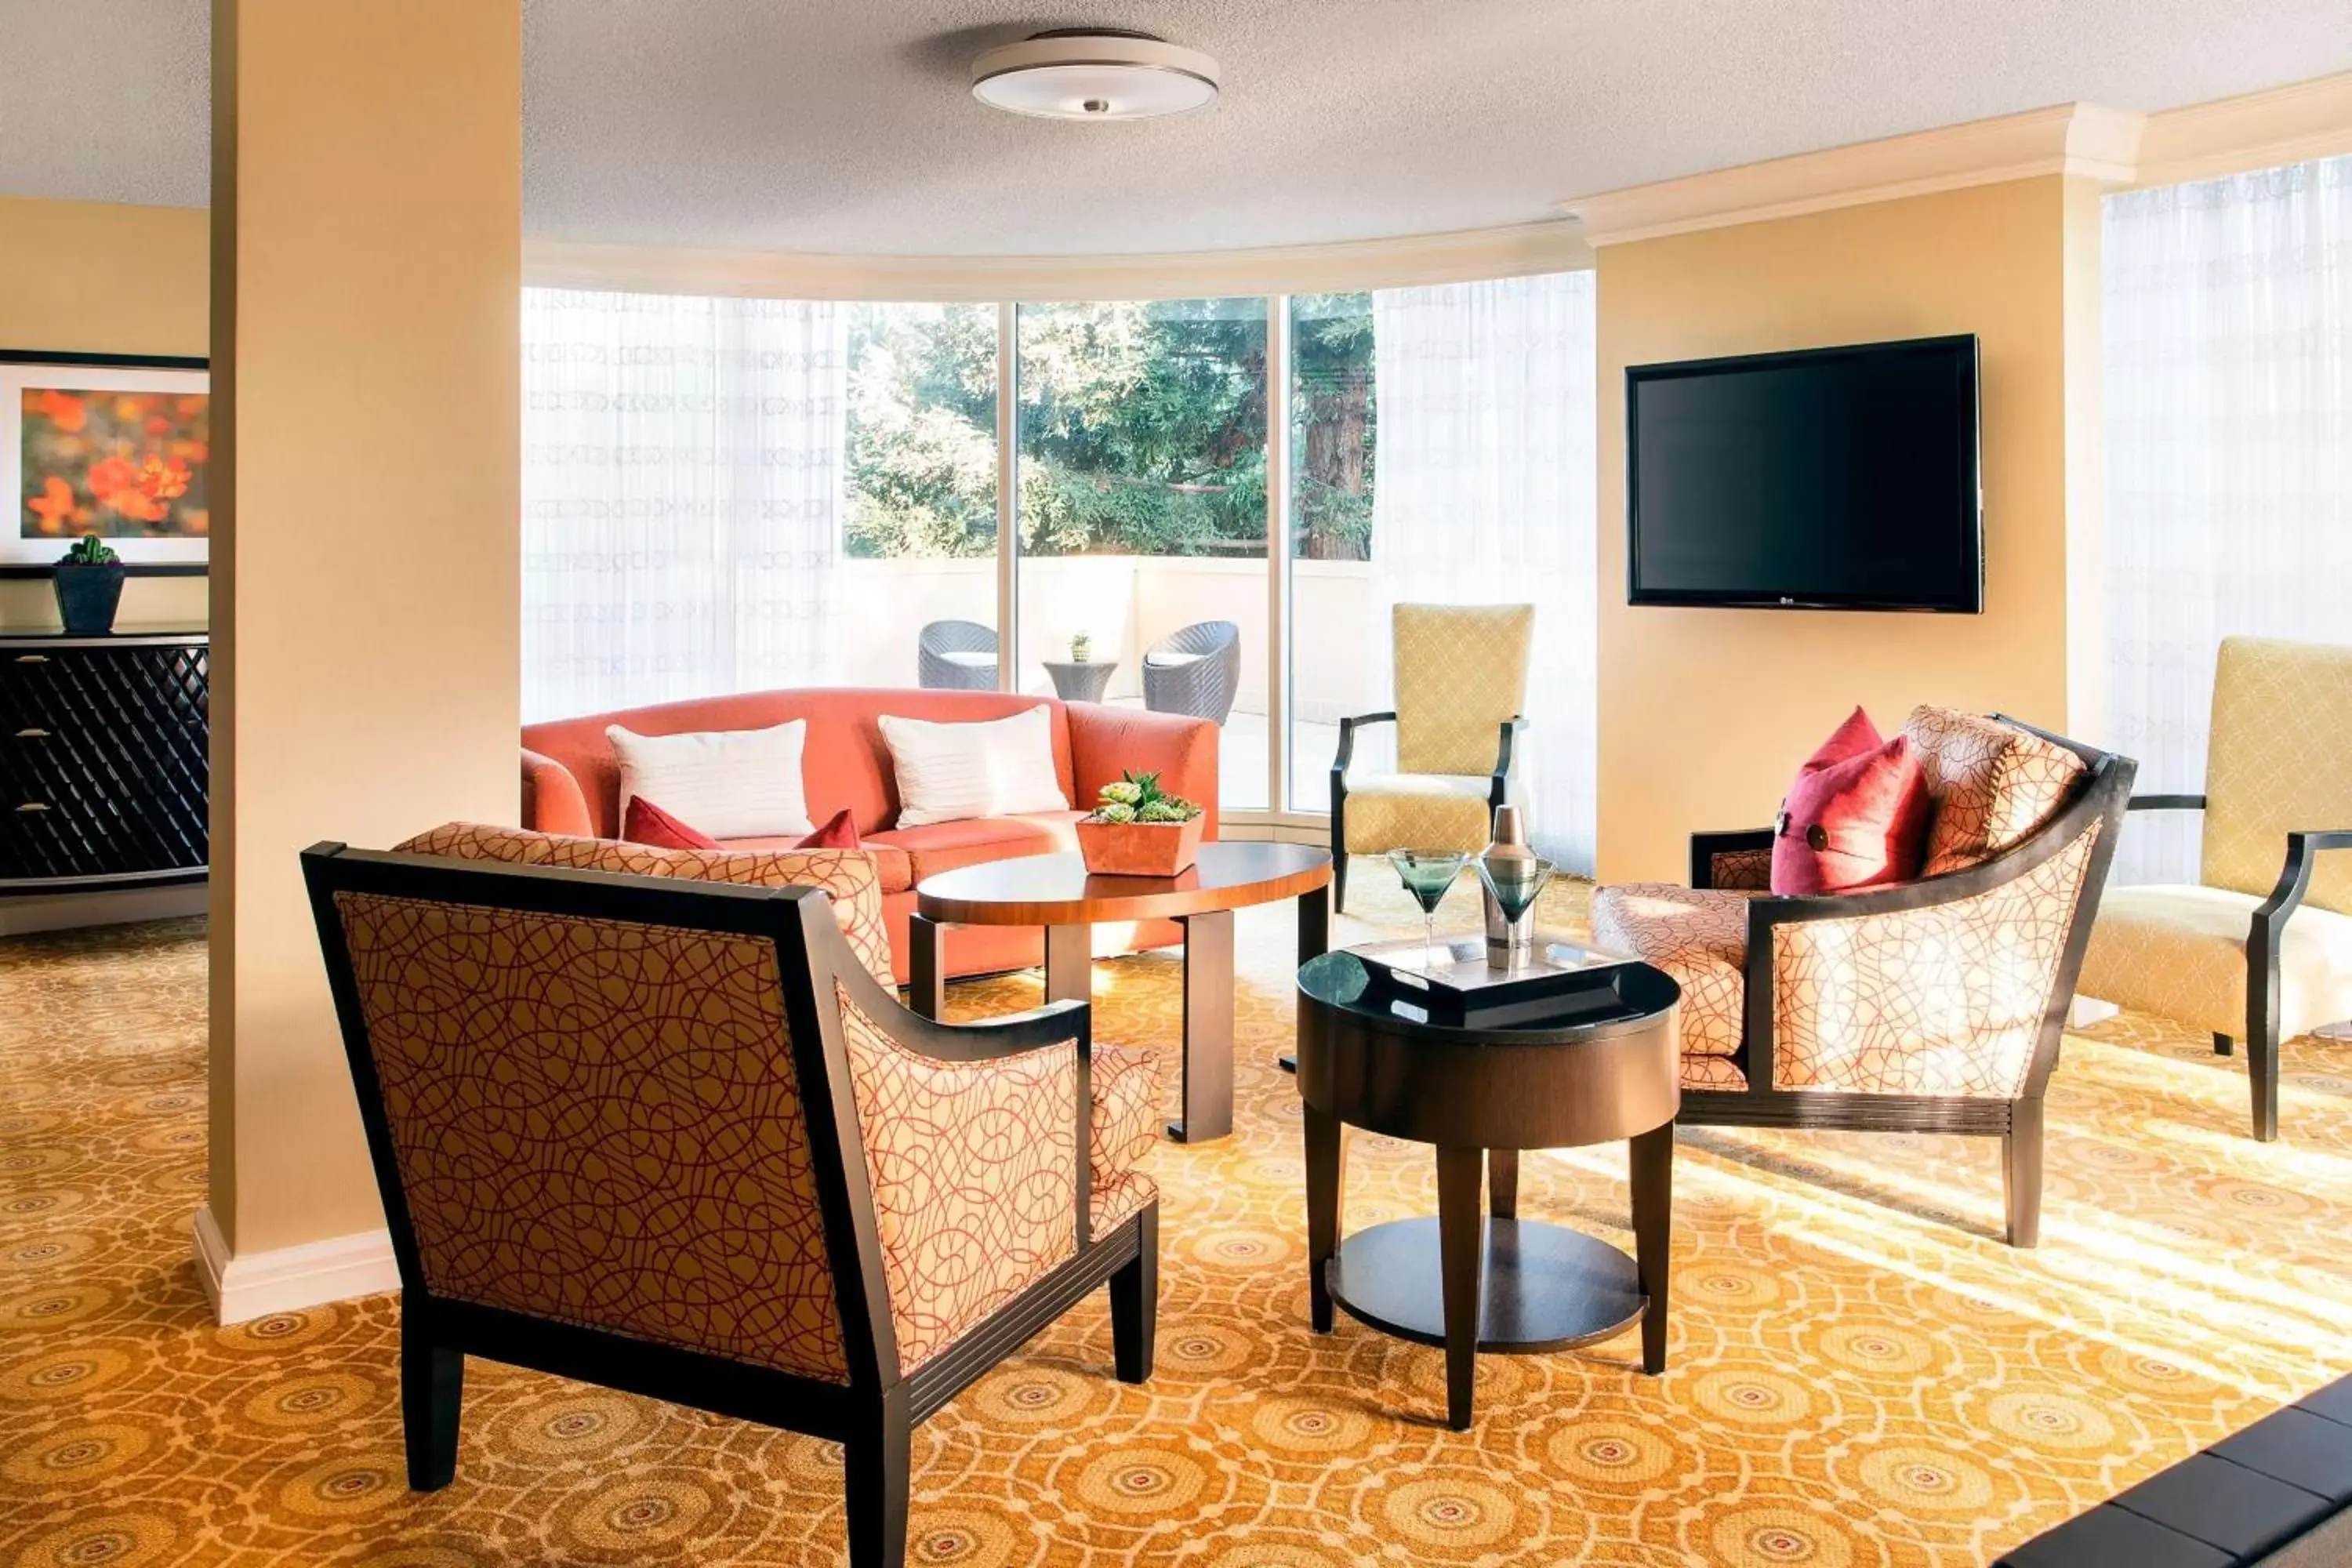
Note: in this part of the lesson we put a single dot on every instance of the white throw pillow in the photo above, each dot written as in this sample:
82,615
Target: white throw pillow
730,783
996,767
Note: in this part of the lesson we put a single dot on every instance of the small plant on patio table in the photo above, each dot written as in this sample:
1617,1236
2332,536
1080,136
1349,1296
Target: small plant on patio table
1138,797
1082,648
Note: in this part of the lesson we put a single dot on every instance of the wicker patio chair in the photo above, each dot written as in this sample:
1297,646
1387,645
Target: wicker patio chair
948,655
1195,672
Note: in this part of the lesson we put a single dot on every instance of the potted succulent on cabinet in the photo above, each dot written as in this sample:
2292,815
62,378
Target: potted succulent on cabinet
1137,829
88,582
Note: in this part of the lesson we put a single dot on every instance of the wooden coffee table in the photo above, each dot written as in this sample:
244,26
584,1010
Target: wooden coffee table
1056,892
1369,1057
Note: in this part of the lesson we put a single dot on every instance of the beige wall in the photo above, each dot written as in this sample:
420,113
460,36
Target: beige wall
94,278
1705,714
367,256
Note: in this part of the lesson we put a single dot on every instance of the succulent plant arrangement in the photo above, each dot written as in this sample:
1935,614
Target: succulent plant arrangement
89,551
1082,648
1138,797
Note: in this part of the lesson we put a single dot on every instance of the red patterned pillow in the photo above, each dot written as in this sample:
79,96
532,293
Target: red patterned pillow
839,832
649,824
1854,820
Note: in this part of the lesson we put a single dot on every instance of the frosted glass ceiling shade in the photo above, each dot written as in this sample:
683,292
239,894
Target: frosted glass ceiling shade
1095,75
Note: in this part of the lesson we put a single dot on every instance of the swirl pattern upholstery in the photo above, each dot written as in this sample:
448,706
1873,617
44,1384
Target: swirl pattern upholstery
1945,999
599,1123
674,1137
1698,935
1749,869
845,876
1993,784
1939,1000
974,1170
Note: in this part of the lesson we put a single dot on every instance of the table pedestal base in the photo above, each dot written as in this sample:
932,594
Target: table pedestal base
1540,1286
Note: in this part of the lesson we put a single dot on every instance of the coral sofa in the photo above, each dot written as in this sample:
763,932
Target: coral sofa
570,783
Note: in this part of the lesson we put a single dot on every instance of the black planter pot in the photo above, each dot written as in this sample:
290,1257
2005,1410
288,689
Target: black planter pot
88,597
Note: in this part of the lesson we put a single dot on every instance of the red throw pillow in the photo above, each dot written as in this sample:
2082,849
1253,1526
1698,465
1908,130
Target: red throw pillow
649,824
1850,739
839,832
1861,822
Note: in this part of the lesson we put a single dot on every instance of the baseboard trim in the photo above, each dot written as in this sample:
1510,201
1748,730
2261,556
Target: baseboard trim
290,1279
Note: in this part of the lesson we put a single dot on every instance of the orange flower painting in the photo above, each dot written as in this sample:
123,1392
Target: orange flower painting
122,465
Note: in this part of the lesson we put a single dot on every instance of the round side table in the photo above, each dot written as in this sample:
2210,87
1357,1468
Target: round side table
1369,1057
1085,683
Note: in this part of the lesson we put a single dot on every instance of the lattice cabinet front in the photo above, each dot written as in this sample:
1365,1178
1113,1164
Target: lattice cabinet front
102,762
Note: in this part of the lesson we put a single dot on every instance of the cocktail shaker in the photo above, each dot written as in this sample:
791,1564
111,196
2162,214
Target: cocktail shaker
1509,941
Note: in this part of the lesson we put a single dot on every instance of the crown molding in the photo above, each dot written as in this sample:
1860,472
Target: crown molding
1553,246
2256,131
2069,138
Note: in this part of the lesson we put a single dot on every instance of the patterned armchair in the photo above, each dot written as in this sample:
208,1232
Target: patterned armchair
1929,1006
674,1137
2261,943
1461,680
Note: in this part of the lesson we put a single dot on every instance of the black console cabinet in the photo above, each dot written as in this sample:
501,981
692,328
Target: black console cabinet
102,761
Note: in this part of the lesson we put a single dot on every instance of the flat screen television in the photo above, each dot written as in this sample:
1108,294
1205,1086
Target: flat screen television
1842,479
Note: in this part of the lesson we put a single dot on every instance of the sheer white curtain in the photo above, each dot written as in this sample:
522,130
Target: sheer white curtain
2228,392
1485,495
681,494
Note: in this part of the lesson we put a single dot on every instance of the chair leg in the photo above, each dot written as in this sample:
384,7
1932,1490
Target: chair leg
879,1458
2021,1172
1339,881
2223,1046
432,1387
2261,1075
1135,1302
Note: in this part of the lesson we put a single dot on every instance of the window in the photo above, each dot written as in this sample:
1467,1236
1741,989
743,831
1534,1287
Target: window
731,494
1334,428
1143,513
2227,387
920,524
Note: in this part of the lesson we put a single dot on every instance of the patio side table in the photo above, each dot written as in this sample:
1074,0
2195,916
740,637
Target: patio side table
1085,683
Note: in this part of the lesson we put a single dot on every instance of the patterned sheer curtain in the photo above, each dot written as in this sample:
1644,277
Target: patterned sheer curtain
1485,496
682,489
2228,392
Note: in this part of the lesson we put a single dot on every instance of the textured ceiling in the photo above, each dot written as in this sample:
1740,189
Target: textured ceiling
846,125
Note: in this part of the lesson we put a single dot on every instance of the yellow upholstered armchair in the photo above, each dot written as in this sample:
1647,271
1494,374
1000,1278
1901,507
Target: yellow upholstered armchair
2261,944
1461,682
1934,1005
673,1137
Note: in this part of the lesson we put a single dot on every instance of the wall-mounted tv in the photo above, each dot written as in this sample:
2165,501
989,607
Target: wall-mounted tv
1842,479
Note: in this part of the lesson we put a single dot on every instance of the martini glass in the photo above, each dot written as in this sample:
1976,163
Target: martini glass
1426,875
1516,881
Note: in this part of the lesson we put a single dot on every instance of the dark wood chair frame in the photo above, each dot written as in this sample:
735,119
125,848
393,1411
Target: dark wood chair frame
873,1415
1498,790
2100,796
2264,934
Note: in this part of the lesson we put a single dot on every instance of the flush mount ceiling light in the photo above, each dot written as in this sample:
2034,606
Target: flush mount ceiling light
1095,73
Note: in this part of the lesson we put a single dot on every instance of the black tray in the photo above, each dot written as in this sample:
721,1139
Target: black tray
1560,981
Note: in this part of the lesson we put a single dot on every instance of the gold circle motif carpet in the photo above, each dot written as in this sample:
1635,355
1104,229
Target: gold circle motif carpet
1862,1373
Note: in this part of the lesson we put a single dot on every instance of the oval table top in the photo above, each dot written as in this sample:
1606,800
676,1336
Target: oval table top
1055,890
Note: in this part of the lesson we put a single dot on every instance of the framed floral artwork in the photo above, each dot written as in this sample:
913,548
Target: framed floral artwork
111,445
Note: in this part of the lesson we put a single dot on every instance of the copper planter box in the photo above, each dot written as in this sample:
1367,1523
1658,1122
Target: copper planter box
1140,848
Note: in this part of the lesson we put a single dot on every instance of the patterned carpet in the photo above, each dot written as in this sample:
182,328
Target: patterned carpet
1861,1373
